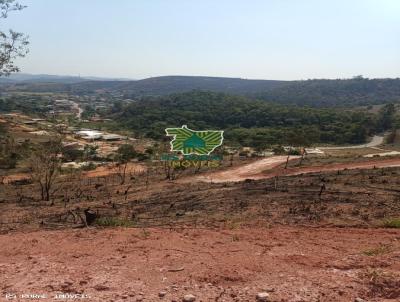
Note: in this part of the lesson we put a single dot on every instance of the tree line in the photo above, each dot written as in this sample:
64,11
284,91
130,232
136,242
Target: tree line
251,122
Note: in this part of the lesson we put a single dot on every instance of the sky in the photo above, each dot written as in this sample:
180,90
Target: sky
254,39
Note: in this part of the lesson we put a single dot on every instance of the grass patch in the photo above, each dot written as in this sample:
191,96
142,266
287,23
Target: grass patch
392,223
113,222
382,249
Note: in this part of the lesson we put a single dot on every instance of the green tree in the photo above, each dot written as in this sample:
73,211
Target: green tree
12,44
386,117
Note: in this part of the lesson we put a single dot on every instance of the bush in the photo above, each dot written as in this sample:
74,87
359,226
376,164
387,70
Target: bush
392,223
113,222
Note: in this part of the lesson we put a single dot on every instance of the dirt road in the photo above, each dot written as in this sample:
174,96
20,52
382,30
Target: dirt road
250,171
292,264
268,167
376,141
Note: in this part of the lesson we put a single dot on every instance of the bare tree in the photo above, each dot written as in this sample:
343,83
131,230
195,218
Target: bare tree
44,165
12,44
123,156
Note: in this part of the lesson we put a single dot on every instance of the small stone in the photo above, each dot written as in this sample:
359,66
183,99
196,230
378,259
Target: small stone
162,293
359,300
262,296
139,298
189,298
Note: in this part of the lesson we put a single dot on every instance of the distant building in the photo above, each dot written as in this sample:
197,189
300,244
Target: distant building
314,151
113,137
31,122
40,132
89,134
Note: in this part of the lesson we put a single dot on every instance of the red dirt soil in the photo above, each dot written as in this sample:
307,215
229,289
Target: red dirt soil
292,263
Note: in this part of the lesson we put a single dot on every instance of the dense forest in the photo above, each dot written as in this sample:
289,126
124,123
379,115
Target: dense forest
28,104
250,122
329,93
317,93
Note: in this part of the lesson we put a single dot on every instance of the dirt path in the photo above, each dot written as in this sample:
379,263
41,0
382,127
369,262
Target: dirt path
293,264
250,171
376,141
78,109
268,167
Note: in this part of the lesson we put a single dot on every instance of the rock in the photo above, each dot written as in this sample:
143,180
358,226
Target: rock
189,298
263,296
359,300
139,298
162,293
100,287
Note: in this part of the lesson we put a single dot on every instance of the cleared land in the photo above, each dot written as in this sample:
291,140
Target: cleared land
315,232
291,263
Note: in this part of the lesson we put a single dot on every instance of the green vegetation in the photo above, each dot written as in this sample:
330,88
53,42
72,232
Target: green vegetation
392,223
381,249
335,93
317,93
113,222
26,103
245,121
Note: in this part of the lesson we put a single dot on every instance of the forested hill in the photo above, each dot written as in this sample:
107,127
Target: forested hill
317,93
151,87
329,93
248,122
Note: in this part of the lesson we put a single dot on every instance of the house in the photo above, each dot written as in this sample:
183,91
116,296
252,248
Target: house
40,132
89,134
30,122
314,151
113,137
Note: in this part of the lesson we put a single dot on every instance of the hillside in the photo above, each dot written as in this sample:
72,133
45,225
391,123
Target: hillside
250,122
318,93
151,86
327,93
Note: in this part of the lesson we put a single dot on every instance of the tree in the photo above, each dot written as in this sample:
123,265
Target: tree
12,44
386,117
44,166
124,154
90,152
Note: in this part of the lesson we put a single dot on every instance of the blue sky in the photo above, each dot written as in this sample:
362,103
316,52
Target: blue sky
258,39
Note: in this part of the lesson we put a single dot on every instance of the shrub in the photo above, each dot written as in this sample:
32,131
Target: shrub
392,223
113,222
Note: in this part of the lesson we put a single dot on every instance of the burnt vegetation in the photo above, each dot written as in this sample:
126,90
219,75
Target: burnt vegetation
359,198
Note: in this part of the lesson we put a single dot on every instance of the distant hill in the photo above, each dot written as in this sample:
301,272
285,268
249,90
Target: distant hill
147,87
48,78
176,84
317,93
327,93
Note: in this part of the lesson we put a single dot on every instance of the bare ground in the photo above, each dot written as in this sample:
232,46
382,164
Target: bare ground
292,263
218,241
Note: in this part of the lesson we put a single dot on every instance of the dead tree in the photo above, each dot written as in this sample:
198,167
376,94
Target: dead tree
287,161
124,154
303,155
44,165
